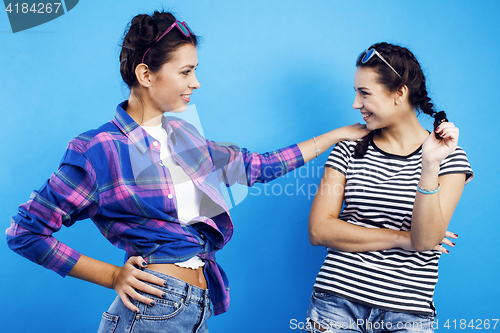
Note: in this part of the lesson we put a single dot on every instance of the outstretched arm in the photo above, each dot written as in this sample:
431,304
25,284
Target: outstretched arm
325,141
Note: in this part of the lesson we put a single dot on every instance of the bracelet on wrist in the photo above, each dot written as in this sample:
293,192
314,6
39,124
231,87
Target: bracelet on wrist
316,145
426,191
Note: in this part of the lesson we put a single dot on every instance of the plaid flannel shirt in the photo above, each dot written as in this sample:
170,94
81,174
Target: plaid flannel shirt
114,176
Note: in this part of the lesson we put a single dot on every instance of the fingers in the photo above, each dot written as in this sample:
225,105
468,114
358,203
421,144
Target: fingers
137,261
144,287
440,248
448,131
450,234
129,280
126,301
144,276
361,126
446,241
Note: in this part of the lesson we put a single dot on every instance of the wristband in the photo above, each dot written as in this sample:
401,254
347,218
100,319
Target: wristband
425,191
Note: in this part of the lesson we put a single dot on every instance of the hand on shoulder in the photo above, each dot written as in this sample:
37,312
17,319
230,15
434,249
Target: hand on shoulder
353,132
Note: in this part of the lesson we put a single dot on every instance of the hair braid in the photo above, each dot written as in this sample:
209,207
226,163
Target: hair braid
362,146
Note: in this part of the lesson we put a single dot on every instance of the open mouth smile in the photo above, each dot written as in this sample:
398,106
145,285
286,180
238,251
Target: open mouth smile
366,115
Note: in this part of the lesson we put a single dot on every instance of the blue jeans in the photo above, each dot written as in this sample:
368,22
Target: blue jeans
336,314
185,309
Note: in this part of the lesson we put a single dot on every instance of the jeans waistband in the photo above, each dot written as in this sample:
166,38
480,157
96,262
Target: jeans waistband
183,289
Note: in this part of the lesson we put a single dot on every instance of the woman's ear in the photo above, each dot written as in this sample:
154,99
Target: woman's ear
143,75
401,95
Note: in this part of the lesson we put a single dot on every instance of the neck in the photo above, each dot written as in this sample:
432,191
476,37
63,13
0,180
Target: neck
142,112
403,137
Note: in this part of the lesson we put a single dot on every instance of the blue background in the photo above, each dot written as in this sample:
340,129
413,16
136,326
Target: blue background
272,73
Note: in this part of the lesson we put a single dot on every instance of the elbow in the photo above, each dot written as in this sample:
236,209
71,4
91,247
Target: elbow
421,245
19,239
426,241
12,235
313,240
314,236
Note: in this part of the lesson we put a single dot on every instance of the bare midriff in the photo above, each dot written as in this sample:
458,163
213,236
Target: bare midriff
194,277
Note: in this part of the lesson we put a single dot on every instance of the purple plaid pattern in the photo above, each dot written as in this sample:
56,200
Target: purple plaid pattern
114,176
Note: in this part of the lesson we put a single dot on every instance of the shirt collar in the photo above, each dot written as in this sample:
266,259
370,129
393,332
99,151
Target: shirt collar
131,129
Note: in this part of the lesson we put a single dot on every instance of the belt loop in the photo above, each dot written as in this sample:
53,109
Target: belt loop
206,298
188,296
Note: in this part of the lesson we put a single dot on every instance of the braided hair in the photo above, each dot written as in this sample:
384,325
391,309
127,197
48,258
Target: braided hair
142,33
405,63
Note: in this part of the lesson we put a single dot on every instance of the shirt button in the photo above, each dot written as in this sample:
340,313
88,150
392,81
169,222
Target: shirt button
155,143
160,164
170,196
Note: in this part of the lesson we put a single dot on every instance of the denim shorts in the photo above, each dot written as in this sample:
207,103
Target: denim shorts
337,314
186,308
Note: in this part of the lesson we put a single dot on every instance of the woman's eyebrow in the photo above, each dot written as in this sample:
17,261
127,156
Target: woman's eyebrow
189,66
361,88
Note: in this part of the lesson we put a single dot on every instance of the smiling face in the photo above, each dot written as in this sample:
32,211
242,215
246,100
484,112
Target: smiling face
376,104
172,86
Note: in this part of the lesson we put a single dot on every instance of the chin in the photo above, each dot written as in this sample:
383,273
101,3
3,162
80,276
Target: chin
370,127
178,110
373,126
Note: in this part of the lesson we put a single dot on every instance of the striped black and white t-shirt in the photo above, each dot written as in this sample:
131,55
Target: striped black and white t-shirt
379,193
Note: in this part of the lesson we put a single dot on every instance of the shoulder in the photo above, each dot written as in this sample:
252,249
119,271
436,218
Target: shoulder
458,156
346,147
87,139
457,162
341,155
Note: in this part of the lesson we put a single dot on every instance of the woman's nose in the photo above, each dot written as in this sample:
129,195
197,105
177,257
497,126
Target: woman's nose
357,103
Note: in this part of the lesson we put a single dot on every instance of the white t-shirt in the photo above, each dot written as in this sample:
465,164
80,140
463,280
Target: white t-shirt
189,196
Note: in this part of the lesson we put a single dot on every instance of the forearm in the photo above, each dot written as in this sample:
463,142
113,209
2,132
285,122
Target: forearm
95,271
126,280
343,236
323,142
428,225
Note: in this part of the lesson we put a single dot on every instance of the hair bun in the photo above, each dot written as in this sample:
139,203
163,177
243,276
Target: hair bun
143,31
141,34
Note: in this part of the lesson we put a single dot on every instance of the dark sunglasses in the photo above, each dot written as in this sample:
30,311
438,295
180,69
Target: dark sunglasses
370,53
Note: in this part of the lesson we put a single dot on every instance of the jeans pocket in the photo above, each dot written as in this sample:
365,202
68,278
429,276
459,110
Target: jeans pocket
108,323
166,315
163,309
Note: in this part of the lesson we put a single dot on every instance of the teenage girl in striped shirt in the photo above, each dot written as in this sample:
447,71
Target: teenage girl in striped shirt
398,188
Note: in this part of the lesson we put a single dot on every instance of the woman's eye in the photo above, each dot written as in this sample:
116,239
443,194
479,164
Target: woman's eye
186,72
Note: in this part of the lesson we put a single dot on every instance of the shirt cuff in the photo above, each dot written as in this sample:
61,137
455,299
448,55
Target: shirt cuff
292,157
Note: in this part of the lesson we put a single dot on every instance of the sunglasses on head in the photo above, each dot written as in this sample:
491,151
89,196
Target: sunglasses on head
370,53
183,28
